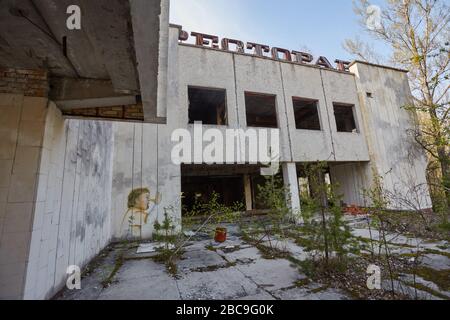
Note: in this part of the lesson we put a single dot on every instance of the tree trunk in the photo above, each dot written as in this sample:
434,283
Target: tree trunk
445,171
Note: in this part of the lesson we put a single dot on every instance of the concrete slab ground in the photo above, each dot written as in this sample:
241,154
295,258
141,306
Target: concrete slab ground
271,274
154,288
245,255
200,260
436,261
233,270
206,271
310,293
227,283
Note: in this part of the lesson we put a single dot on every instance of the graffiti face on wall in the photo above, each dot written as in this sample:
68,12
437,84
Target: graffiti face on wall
139,211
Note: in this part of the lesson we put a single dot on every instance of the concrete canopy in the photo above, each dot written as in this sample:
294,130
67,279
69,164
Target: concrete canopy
117,58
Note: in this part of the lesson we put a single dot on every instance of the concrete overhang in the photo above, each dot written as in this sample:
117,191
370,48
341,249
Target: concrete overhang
117,58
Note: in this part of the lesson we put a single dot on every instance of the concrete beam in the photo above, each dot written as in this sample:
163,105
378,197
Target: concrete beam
110,31
66,105
73,88
83,54
151,47
69,93
34,35
26,45
125,41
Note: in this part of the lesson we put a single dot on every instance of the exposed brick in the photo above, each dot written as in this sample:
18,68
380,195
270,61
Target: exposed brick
34,77
36,93
18,85
19,80
14,75
41,73
37,86
10,90
9,79
33,81
27,82
7,70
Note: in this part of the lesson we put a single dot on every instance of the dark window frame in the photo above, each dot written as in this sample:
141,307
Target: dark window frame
225,112
317,105
353,108
260,94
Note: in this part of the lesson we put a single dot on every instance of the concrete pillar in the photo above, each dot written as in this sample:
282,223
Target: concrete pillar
22,123
291,183
248,193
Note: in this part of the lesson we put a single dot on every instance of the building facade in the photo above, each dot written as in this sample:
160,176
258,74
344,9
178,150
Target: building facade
353,120
85,161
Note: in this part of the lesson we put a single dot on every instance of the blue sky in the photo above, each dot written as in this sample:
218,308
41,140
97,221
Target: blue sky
320,25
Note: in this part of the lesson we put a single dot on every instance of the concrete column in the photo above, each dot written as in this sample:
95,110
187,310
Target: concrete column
291,183
248,193
22,123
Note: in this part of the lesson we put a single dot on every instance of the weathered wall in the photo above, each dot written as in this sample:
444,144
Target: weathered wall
55,191
351,180
142,159
239,73
72,211
394,155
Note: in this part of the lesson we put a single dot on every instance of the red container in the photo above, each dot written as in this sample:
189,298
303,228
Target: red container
221,234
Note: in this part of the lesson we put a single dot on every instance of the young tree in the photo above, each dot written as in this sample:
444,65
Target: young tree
418,32
324,227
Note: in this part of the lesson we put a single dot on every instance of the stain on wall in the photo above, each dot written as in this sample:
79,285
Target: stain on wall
73,213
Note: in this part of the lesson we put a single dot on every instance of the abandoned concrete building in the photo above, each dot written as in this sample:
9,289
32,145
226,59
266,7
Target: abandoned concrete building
87,117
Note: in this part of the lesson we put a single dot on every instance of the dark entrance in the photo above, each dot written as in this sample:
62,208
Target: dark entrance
200,189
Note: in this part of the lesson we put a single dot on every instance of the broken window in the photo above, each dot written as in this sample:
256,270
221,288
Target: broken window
207,106
261,110
345,119
306,114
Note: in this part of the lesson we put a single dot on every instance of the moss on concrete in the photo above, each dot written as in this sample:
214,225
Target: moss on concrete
439,277
118,264
424,288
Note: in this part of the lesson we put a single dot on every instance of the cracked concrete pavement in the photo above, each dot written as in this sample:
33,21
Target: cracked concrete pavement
232,270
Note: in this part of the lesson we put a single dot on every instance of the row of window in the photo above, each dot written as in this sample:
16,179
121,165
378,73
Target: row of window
209,107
